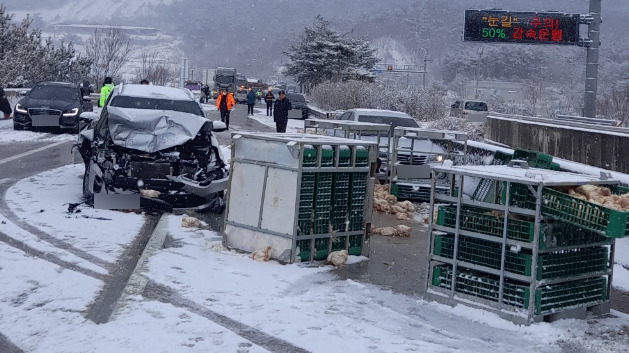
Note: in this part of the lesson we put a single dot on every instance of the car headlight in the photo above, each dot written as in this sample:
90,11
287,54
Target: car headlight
20,109
73,112
436,158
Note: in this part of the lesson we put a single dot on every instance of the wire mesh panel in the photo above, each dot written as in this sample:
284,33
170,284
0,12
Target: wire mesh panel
357,201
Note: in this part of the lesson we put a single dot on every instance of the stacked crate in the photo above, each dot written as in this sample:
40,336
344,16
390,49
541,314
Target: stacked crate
547,258
327,181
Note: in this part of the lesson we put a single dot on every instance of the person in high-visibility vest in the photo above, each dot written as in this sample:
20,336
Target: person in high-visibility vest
224,103
108,86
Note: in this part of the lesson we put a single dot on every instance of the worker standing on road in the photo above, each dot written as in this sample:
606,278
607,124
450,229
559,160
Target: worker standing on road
224,103
205,94
269,102
259,95
108,86
251,101
5,106
280,112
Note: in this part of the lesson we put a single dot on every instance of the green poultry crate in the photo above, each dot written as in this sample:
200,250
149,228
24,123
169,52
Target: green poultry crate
552,265
345,156
501,158
534,159
563,207
552,235
322,203
310,157
320,248
358,193
548,299
327,156
355,244
362,156
306,203
340,203
338,243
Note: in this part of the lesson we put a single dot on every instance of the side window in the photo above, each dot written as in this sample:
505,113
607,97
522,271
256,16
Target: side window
456,105
345,116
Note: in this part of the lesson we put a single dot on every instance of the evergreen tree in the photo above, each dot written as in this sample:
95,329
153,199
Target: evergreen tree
324,55
26,58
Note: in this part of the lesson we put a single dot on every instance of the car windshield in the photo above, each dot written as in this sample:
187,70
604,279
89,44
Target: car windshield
389,120
157,104
225,79
476,106
298,98
54,93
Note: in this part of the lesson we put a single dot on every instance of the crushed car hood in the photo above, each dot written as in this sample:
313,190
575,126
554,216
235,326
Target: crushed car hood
152,130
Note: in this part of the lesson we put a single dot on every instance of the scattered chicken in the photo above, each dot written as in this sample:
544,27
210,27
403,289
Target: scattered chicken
150,193
391,199
395,209
337,258
599,195
262,254
403,231
409,206
190,222
386,231
402,216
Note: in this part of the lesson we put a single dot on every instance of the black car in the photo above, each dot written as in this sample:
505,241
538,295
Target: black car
299,103
52,105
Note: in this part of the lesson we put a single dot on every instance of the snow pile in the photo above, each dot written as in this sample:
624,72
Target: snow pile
8,135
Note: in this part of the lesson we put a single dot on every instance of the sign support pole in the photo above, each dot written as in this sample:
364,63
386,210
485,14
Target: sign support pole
591,67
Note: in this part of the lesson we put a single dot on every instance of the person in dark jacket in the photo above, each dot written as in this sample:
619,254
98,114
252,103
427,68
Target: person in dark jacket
269,102
280,112
251,101
5,106
86,90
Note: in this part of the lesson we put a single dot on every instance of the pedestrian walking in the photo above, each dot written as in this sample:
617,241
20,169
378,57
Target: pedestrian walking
268,98
224,103
5,106
251,101
280,112
108,86
86,89
259,95
205,94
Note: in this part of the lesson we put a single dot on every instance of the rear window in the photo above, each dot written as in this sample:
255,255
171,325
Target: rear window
389,120
157,104
476,106
296,98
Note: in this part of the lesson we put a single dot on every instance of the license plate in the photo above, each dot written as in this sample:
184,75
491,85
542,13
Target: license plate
45,120
117,201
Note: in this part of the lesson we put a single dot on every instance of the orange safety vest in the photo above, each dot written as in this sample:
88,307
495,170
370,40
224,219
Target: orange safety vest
230,101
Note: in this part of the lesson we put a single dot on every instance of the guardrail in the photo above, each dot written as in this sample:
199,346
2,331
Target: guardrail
320,114
564,123
581,119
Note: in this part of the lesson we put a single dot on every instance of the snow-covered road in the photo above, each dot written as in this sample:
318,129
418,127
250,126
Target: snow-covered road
201,297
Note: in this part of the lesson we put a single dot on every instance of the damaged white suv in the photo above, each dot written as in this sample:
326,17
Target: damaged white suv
152,148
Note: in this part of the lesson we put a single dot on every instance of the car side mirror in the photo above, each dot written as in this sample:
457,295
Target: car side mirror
218,126
23,93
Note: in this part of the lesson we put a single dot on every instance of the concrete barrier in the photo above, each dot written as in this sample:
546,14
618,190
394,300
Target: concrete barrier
592,146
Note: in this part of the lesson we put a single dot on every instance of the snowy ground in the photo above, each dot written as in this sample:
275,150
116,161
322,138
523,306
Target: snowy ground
215,300
8,135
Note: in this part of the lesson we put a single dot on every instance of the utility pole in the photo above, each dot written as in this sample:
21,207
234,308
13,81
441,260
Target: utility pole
480,56
591,67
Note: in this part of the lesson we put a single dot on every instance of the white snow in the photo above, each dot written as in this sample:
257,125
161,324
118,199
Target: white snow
8,135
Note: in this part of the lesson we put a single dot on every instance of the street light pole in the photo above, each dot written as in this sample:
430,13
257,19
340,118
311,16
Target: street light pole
591,65
480,55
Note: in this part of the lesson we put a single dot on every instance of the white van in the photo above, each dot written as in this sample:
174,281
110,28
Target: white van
475,111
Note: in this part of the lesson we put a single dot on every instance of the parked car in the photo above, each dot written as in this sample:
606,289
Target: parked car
298,102
52,105
240,96
397,119
154,144
474,111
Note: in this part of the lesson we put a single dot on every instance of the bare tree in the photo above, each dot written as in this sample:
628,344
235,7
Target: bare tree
154,69
110,50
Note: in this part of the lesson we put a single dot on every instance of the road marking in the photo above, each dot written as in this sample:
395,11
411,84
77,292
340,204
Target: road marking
18,156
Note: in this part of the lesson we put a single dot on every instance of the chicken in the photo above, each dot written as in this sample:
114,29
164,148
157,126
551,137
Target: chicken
397,209
402,216
386,231
262,254
403,231
385,207
391,199
150,193
337,258
190,222
409,206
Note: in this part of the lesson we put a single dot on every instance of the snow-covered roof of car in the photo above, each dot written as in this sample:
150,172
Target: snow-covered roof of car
153,91
381,112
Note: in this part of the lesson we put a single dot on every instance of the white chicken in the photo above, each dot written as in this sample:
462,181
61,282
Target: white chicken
190,222
337,258
262,254
403,231
150,193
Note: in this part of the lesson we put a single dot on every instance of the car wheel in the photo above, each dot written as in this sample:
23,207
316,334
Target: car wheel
17,127
96,187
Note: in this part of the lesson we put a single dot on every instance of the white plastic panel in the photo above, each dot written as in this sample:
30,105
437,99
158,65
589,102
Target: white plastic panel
250,240
275,152
280,199
245,193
